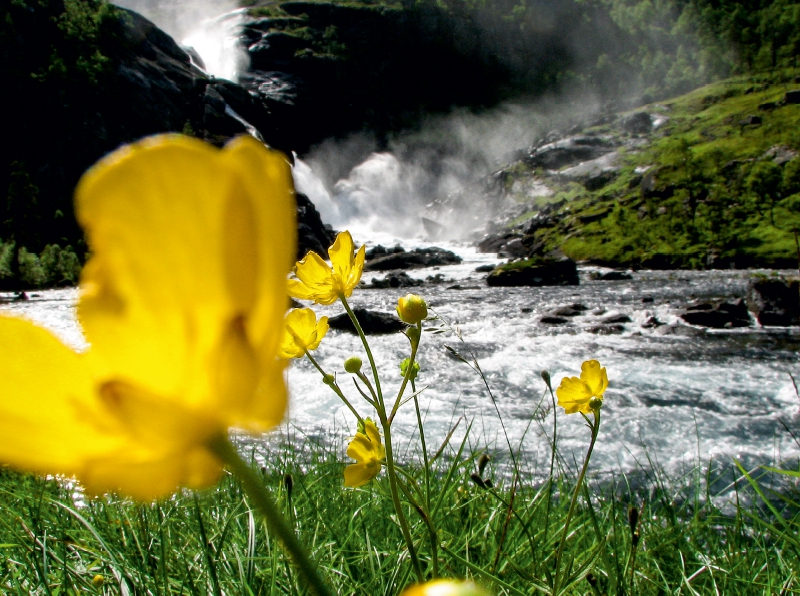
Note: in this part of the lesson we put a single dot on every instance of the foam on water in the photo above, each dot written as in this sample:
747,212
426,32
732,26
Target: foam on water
676,398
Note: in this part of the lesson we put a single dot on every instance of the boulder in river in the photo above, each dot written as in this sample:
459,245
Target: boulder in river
718,314
395,279
372,322
774,301
413,259
541,271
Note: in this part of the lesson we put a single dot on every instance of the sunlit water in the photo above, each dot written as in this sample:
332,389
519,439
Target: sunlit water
677,395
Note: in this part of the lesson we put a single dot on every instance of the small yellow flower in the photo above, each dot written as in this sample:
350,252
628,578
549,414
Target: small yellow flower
182,305
412,309
302,332
576,395
323,284
368,451
98,580
446,587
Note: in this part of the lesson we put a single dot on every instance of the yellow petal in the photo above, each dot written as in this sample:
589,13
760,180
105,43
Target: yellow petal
315,281
372,432
358,268
156,297
356,475
573,395
361,448
595,377
145,478
49,419
341,255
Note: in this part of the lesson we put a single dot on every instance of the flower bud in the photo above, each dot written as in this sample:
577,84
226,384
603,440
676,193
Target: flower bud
412,309
404,369
328,379
595,403
412,333
353,364
98,580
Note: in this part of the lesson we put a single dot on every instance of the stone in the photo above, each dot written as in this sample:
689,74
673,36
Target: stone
413,259
312,234
372,322
396,279
551,320
606,329
609,276
497,242
484,268
774,301
637,123
792,96
571,310
615,319
543,271
718,314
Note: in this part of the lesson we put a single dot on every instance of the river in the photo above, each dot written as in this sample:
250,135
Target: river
678,395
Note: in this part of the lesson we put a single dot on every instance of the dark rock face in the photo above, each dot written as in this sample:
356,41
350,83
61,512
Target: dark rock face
413,259
397,279
571,310
566,152
539,272
718,314
774,302
312,234
610,276
373,323
637,123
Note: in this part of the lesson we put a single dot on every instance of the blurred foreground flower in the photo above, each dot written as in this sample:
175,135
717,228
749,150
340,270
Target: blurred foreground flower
323,284
446,587
368,451
303,332
182,304
580,395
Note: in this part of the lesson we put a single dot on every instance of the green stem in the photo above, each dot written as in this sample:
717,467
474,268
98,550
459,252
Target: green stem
366,347
398,507
424,450
409,371
595,428
434,536
334,387
259,494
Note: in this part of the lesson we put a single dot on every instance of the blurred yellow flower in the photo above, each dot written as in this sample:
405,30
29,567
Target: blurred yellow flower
575,395
412,309
368,451
323,284
302,332
182,304
446,587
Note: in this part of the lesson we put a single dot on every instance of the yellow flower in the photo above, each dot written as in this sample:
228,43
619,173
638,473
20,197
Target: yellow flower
182,305
445,587
323,284
368,451
575,395
412,309
302,332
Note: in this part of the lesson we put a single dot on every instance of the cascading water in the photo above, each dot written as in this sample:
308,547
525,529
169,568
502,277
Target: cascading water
211,28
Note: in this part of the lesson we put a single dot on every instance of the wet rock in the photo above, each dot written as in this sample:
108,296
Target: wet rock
396,279
718,314
751,120
780,154
484,268
372,322
312,234
460,287
542,271
381,251
551,320
413,259
774,301
609,276
651,323
570,151
497,242
571,310
648,300
615,319
638,123
615,329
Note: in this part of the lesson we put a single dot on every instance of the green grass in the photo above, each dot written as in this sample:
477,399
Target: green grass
213,543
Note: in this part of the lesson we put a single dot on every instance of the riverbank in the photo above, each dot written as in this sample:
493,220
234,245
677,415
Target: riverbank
667,535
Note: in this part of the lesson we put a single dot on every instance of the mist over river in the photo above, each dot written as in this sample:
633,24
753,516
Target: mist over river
677,393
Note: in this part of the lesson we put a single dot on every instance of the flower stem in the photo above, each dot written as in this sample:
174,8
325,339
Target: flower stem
335,388
398,507
363,337
260,496
595,428
409,371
